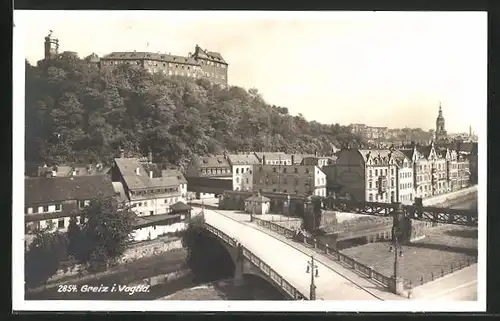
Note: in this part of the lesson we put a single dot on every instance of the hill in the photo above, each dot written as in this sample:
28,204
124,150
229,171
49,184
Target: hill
77,113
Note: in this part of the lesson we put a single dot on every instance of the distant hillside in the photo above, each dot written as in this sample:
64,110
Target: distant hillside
76,113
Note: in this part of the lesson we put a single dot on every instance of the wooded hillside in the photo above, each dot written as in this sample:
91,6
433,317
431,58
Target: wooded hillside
76,113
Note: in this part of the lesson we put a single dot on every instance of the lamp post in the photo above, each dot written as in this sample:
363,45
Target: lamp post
313,270
396,245
253,212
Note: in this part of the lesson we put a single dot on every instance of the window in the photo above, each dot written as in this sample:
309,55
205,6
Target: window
247,180
60,223
35,209
296,170
237,180
151,213
58,207
284,169
370,173
237,170
45,208
370,184
370,197
392,171
274,169
376,172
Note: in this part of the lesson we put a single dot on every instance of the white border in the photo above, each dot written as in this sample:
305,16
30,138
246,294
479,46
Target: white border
287,306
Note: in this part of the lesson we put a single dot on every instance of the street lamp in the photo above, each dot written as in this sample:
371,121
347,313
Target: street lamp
253,211
313,270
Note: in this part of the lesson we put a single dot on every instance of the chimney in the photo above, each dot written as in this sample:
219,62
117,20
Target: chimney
138,171
150,174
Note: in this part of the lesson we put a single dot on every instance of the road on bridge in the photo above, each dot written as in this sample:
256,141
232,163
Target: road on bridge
290,263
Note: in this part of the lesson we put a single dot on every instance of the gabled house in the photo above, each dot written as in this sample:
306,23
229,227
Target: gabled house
50,202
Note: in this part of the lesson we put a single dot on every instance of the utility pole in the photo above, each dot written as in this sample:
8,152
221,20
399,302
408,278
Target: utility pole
313,270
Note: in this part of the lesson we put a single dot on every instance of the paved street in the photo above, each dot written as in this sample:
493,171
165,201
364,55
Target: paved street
289,262
461,285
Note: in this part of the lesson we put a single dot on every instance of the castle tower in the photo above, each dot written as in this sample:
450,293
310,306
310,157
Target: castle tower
51,46
440,128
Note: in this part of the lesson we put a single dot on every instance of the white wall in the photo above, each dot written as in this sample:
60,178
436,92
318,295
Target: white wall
242,178
152,232
159,205
42,224
406,189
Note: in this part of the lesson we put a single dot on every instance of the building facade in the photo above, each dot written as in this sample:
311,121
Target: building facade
296,179
367,175
149,189
50,202
209,176
277,158
404,178
201,64
242,166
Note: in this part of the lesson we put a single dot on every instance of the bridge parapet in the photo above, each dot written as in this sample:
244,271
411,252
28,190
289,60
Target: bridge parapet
330,253
274,276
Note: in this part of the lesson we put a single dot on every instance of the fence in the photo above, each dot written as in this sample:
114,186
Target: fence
331,253
453,267
255,260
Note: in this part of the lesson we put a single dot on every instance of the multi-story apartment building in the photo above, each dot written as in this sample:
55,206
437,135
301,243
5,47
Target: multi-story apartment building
463,170
451,168
440,183
242,170
293,179
50,202
404,178
367,175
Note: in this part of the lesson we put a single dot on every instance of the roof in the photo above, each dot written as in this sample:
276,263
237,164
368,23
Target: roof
243,159
142,221
119,191
180,206
258,198
273,156
127,168
212,55
407,152
382,153
424,150
55,189
133,55
212,161
174,172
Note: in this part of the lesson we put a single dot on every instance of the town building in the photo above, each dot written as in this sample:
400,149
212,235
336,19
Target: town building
367,175
241,166
276,158
201,64
66,170
292,179
404,178
422,169
209,176
149,189
50,202
320,161
157,195
257,204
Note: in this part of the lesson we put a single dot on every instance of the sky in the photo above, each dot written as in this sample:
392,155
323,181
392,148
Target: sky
378,68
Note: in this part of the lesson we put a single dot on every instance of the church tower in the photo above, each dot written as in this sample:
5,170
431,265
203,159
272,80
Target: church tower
440,129
51,47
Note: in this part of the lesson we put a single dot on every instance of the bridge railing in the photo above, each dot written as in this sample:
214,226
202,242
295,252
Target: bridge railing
255,260
330,252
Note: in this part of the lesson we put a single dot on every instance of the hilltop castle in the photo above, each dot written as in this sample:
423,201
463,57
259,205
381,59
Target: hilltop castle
200,64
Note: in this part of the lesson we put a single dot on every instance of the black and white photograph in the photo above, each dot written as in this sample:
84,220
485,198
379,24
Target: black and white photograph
249,161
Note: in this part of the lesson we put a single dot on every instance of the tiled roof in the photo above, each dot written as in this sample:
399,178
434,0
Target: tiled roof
382,153
150,56
243,159
180,206
174,172
273,156
210,54
407,152
212,162
128,166
424,150
54,189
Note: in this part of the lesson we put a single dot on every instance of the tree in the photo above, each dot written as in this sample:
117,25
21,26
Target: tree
43,257
74,234
106,232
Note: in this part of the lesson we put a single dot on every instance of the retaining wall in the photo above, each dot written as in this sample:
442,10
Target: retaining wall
450,198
